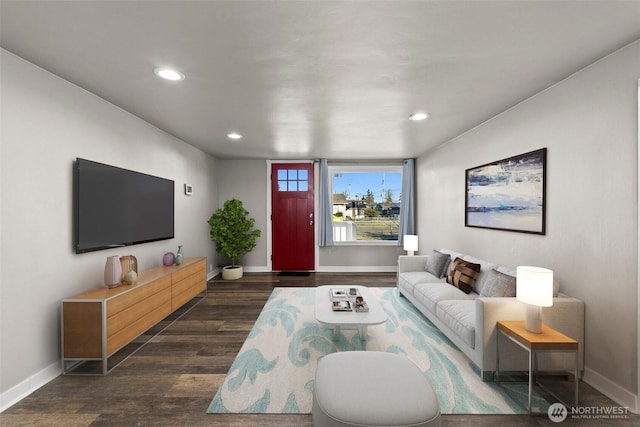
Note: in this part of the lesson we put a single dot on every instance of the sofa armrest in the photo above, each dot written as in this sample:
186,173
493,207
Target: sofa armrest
490,310
411,263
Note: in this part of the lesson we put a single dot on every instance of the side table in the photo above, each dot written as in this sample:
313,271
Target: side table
548,340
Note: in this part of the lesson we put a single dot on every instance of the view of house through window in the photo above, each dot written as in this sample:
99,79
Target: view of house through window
366,202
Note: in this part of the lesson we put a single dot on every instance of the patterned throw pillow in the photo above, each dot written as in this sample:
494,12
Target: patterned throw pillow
436,263
463,274
499,285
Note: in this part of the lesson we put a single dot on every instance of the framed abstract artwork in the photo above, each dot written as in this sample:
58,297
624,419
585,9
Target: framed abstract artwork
508,194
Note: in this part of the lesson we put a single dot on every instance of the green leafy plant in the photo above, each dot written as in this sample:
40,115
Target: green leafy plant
232,231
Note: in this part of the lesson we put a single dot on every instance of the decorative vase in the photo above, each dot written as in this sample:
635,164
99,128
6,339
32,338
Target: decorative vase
168,259
179,255
128,263
112,272
131,277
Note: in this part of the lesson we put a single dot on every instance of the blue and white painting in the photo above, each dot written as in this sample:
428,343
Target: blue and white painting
508,194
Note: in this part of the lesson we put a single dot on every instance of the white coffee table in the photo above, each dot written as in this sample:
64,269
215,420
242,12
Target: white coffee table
348,319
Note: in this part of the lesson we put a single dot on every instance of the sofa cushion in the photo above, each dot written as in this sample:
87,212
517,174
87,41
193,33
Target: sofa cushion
436,263
499,284
407,281
460,317
453,255
430,294
417,277
463,274
512,272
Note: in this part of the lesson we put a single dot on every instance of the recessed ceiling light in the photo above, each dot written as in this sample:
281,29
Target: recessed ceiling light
418,116
169,74
234,135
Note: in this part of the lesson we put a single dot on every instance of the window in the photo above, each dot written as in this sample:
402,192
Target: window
293,180
366,203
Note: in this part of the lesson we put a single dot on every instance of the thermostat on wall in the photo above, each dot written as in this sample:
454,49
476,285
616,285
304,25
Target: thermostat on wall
188,189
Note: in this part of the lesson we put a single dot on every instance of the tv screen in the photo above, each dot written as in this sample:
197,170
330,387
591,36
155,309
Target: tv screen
118,207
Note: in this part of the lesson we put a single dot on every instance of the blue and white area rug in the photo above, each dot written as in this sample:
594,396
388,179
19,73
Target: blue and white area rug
274,370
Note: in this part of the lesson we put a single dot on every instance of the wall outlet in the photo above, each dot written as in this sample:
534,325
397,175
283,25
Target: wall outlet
210,267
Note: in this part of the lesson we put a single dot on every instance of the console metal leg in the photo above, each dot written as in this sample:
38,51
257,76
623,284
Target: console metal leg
497,373
530,379
575,381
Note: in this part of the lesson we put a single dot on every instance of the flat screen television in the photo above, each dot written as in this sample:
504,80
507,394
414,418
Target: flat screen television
116,207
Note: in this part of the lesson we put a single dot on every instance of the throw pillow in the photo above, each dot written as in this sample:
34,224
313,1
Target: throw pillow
499,285
436,262
463,274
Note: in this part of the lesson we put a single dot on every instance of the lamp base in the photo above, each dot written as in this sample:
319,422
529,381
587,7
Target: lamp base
533,319
410,253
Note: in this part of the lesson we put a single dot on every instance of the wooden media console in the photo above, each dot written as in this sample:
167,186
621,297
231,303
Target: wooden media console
98,323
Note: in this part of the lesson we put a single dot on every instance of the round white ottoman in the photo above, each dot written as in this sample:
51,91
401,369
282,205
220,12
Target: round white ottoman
369,388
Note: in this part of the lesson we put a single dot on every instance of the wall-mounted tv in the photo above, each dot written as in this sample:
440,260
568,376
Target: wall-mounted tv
116,207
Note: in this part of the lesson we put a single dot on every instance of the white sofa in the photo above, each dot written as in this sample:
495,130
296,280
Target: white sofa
469,320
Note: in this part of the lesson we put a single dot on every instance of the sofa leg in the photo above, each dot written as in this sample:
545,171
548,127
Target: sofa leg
487,376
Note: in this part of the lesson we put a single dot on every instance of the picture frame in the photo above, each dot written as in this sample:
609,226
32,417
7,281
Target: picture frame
508,194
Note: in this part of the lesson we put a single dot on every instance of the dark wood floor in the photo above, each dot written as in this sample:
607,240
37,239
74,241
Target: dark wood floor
171,380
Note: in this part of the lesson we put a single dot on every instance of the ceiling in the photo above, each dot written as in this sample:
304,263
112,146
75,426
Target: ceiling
313,79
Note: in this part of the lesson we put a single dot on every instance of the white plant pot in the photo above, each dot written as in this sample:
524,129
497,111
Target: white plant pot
231,273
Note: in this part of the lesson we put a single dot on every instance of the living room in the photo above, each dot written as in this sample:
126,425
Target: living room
587,120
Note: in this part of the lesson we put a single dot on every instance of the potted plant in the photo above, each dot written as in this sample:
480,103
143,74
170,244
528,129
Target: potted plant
234,235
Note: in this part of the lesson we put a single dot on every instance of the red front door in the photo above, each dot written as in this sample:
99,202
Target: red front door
293,218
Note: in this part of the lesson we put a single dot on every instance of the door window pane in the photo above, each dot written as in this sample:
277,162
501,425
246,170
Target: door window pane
293,180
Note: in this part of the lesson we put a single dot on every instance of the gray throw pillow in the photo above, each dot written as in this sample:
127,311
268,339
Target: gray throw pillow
436,263
499,285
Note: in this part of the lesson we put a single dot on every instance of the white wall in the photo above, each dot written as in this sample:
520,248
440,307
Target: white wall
47,123
589,123
360,258
246,180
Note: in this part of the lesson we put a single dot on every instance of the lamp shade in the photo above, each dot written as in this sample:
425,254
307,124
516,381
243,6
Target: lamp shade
410,242
534,286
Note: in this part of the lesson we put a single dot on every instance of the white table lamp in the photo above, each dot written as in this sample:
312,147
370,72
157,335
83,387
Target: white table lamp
410,243
534,287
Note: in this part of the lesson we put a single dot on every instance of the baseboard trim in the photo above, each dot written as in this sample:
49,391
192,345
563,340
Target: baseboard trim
28,386
357,269
612,390
213,273
256,269
322,269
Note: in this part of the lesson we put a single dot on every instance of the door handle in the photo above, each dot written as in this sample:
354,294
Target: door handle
310,222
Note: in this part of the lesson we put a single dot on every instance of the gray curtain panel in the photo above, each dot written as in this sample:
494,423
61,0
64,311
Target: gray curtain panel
325,228
407,206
